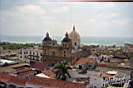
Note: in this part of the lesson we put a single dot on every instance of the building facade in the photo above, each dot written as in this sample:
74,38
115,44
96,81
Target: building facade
75,37
54,52
29,54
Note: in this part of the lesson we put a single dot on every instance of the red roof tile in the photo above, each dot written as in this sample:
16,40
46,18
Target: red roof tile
53,83
38,65
17,81
41,82
49,73
85,61
4,77
11,79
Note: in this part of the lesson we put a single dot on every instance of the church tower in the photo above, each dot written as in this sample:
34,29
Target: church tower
53,52
75,37
67,46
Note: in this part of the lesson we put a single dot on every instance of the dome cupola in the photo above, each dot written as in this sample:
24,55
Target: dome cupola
66,39
47,38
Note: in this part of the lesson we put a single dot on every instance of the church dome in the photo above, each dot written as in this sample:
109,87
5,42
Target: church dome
74,35
47,38
66,39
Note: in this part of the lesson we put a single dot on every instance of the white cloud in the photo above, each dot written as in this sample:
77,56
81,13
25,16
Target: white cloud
92,20
105,4
123,23
115,14
57,18
32,10
60,9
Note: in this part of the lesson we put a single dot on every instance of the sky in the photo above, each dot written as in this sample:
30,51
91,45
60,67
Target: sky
36,17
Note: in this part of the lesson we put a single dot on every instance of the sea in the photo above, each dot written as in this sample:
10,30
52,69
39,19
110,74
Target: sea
106,41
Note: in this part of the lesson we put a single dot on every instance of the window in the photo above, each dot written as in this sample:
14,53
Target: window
64,53
20,51
33,53
30,52
41,54
37,53
26,52
53,53
75,43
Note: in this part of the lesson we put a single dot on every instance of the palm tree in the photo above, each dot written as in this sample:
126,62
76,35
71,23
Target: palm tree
62,71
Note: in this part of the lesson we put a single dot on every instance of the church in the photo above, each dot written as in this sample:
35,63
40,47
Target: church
54,52
75,37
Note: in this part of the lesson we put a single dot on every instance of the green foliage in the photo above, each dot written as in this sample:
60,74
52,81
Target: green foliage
62,71
14,46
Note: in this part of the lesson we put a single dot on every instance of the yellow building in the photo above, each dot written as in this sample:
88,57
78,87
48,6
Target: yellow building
54,52
75,37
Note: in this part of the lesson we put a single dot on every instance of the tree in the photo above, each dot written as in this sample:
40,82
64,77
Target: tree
62,71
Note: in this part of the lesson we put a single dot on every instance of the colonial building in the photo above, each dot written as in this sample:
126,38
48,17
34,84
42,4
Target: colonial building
54,52
30,54
75,37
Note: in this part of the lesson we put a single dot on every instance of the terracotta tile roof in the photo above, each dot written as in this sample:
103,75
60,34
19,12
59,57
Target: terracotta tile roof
85,61
38,65
25,72
11,79
17,81
49,73
4,77
53,83
40,82
102,65
26,75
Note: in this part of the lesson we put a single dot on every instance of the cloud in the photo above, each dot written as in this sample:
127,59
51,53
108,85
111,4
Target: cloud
105,4
109,15
100,19
60,9
32,10
92,20
115,14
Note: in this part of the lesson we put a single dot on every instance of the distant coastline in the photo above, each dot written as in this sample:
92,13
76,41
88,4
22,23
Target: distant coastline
84,40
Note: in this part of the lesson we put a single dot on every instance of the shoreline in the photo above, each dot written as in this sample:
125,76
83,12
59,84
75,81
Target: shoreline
102,41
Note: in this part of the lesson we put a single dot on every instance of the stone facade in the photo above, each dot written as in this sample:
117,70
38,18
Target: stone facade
54,52
30,54
75,37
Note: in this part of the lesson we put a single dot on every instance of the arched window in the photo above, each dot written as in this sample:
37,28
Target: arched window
75,44
53,53
33,53
64,53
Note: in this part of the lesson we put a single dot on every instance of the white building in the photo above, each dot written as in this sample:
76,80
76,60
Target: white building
28,54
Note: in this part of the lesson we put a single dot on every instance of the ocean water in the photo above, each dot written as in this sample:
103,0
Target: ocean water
84,40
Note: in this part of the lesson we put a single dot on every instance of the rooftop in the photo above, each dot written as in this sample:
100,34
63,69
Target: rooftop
4,61
41,82
85,60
